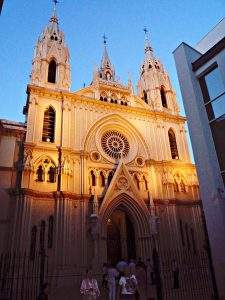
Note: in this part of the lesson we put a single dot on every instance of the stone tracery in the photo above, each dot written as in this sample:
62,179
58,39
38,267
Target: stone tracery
115,144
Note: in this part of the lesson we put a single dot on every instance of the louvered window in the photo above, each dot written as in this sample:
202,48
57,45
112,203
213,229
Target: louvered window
48,134
173,144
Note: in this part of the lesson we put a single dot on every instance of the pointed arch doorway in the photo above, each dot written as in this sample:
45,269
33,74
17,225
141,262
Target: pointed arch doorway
120,236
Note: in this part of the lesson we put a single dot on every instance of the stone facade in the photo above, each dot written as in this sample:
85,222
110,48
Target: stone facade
89,153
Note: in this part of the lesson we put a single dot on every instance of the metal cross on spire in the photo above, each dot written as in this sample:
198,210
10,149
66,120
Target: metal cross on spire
145,30
54,18
104,39
148,48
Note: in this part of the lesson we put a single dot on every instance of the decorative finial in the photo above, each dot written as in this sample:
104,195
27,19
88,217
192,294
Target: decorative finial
104,39
54,16
148,48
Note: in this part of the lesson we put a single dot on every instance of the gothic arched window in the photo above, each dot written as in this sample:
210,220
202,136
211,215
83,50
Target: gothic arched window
40,174
101,98
163,97
93,179
145,96
33,241
48,134
51,174
50,231
173,144
102,179
52,71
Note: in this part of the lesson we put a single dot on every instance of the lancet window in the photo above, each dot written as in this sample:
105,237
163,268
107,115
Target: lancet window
163,97
48,134
145,96
173,144
40,174
102,177
52,71
45,170
52,174
93,178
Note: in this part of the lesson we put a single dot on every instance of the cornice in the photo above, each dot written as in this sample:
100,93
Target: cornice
53,147
47,195
170,163
177,202
76,98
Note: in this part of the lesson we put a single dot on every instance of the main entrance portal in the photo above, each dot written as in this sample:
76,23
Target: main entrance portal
120,237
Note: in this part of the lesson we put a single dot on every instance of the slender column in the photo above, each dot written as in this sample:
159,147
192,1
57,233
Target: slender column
123,237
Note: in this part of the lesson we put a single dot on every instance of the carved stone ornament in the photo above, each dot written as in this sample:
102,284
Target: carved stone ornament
122,183
27,160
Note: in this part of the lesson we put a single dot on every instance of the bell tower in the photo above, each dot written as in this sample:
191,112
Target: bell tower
154,85
51,62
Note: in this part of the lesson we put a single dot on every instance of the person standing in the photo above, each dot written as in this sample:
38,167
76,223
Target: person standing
121,265
142,282
111,278
132,266
128,285
89,287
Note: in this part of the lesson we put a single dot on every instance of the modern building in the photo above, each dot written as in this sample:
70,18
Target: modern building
88,175
1,4
201,73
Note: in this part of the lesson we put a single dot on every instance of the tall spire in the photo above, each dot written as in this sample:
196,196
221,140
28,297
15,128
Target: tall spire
148,48
51,55
106,71
54,18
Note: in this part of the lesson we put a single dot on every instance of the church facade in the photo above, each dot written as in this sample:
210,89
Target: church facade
101,173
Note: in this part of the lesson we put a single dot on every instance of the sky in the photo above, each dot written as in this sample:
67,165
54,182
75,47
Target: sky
169,22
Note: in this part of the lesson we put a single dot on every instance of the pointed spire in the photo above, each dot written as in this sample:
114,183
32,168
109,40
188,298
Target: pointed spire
51,46
148,48
54,18
106,71
105,57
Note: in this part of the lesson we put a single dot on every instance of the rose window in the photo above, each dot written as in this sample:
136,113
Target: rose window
115,144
